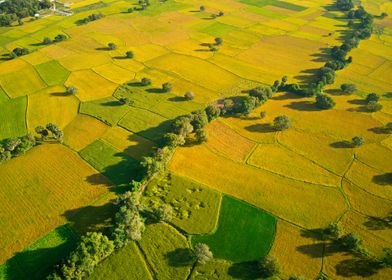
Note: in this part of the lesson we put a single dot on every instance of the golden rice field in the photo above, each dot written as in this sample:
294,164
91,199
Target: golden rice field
305,176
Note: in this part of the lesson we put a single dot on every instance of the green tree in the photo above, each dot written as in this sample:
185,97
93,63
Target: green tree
213,112
182,125
387,259
71,90
60,38
189,95
269,266
373,106
112,46
261,93
129,54
324,101
146,82
348,88
350,241
47,41
167,87
163,213
202,253
201,135
173,140
282,123
218,41
333,231
358,141
263,114
42,131
372,97
11,144
248,103
199,119
202,8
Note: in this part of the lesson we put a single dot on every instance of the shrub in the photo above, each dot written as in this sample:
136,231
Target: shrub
189,95
344,5
282,123
146,82
60,38
373,106
213,112
348,88
167,87
358,141
218,41
129,54
202,8
201,136
112,46
71,90
324,101
350,241
199,119
269,266
47,41
372,97
263,114
333,231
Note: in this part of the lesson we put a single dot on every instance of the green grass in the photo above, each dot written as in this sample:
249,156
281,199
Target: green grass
109,110
3,96
12,117
196,207
158,7
52,72
289,6
258,3
244,233
218,29
266,13
127,263
167,252
117,166
37,260
146,123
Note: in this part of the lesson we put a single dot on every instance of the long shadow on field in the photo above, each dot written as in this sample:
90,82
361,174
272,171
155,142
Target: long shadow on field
37,264
179,257
342,145
379,223
245,270
308,106
383,179
262,127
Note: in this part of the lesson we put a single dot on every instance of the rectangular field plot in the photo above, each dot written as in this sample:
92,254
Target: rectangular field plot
253,236
126,264
12,116
52,73
119,167
37,190
37,260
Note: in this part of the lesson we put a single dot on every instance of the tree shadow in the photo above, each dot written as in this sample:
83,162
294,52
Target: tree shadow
383,179
177,99
358,266
336,92
103,49
179,257
37,264
245,270
263,128
388,95
286,96
155,90
379,223
357,102
63,94
136,84
379,130
112,103
119,57
342,145
312,250
38,44
308,106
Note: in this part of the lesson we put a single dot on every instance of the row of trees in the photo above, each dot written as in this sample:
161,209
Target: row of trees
19,52
90,18
50,132
57,39
15,10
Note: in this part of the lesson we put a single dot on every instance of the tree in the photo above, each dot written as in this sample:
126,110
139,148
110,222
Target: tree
126,101
358,141
261,93
56,132
129,54
201,136
93,248
202,253
146,82
71,90
213,48
20,51
248,103
218,41
324,101
284,81
344,5
263,114
387,259
42,131
199,119
47,41
173,140
221,14
202,8
333,231
213,112
112,46
282,123
388,127
228,105
60,38
182,125
189,95
372,97
163,213
348,88
167,87
350,241
373,106
269,266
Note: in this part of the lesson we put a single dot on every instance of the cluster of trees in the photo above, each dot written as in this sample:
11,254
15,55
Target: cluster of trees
219,14
50,131
71,90
128,222
372,104
58,38
324,101
15,10
344,5
19,52
91,17
112,46
17,146
93,248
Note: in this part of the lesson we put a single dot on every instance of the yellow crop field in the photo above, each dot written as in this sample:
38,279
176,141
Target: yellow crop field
84,61
128,142
289,247
30,83
44,107
57,51
366,203
276,194
225,141
282,161
82,131
114,73
376,156
36,58
12,66
90,85
45,183
193,70
370,179
148,51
